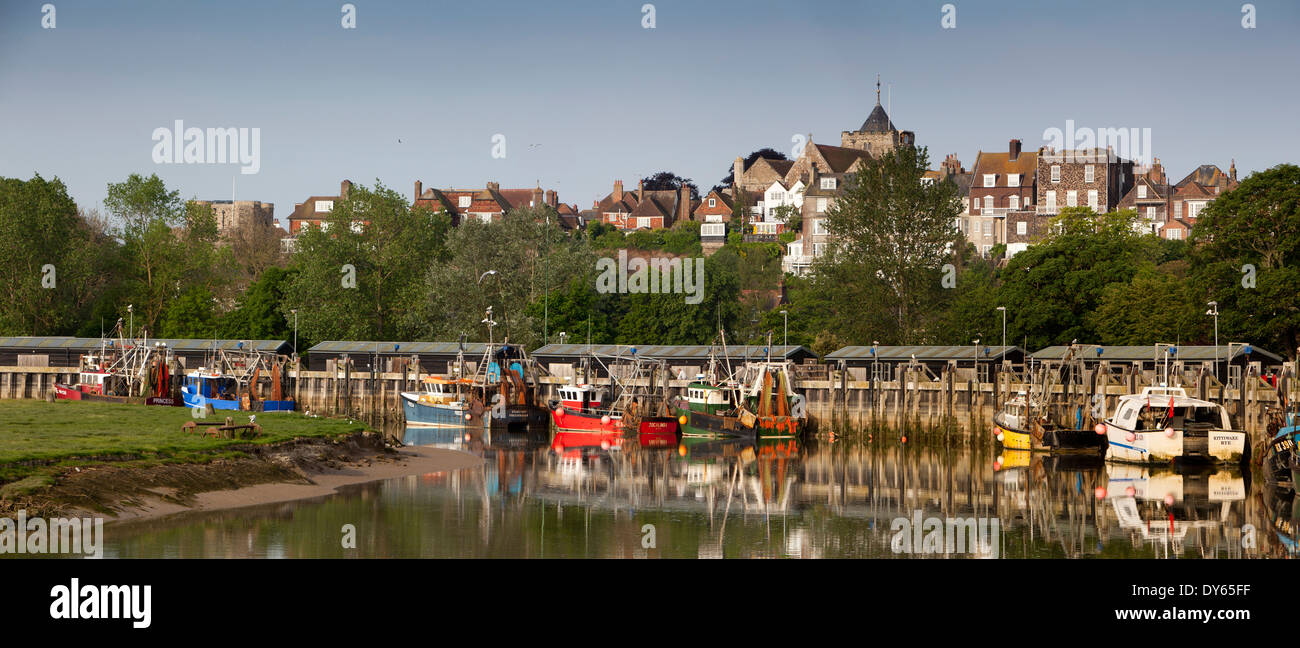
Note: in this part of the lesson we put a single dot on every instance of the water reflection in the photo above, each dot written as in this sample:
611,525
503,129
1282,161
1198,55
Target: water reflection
543,494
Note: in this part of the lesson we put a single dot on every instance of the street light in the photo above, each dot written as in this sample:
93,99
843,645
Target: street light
130,309
1214,311
295,331
785,328
1004,328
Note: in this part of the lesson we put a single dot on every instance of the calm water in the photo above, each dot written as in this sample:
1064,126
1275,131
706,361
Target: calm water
539,495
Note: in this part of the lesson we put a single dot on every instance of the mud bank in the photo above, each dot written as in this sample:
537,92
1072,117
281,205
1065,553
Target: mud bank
264,474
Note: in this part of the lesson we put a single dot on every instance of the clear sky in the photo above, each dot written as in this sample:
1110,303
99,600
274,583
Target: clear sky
585,95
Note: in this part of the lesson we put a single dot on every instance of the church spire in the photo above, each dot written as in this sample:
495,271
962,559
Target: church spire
877,89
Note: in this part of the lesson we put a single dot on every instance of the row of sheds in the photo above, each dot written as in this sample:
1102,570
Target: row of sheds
682,360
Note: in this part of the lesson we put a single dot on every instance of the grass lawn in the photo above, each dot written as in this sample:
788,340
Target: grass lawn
69,433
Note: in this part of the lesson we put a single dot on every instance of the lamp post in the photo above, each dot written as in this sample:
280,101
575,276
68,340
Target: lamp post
1214,311
295,331
785,328
1004,328
130,309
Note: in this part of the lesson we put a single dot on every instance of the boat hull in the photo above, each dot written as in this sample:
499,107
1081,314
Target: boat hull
68,392
1225,446
1052,440
1280,457
427,415
519,416
568,419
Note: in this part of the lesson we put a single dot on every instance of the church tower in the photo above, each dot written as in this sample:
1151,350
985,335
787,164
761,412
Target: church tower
877,134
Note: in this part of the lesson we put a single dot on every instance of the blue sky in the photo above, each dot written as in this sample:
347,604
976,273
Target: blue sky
585,95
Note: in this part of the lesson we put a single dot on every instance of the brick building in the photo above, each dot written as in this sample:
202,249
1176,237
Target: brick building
1093,178
1002,183
491,203
644,208
316,209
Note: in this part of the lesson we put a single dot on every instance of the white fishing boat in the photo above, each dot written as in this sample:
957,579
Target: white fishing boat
1164,423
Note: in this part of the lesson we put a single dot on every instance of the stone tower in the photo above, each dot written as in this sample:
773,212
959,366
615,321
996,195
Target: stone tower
877,134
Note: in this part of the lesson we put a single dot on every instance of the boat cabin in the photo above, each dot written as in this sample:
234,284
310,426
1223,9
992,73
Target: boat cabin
91,382
579,397
1158,408
211,386
707,398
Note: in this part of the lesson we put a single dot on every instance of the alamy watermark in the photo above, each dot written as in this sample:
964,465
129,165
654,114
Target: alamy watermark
934,535
37,535
657,275
1125,143
209,146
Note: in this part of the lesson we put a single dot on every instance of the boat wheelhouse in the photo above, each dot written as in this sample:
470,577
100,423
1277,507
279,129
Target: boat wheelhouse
581,407
1164,423
222,391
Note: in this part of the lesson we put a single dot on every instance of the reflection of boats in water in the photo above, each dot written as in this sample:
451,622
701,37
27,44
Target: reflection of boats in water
1165,505
1164,423
1282,508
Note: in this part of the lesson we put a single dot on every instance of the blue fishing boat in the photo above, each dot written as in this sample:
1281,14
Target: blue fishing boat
444,402
222,392
1280,458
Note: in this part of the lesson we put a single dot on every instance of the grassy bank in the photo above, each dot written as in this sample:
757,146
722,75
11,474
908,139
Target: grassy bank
39,439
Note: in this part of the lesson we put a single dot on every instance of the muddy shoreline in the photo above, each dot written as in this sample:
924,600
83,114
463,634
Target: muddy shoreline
281,472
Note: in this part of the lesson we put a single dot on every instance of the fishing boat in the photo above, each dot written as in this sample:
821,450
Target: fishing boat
125,370
443,402
580,408
1164,505
756,401
237,380
1024,424
1162,424
1280,457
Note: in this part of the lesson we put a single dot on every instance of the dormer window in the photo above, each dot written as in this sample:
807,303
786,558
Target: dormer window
1142,191
990,179
324,206
464,201
1013,180
828,184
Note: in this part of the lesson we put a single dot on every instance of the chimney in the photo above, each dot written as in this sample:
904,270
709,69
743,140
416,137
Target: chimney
537,197
640,189
618,190
551,199
1232,170
419,189
1014,149
494,186
343,189
684,203
737,171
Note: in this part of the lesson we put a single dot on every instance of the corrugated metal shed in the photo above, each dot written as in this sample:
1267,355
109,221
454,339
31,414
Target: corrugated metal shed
1149,353
65,351
674,352
926,353
433,356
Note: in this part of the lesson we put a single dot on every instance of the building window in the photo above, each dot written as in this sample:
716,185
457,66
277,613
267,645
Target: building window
1142,191
1151,213
988,228
778,196
1071,198
1022,228
713,202
819,226
1175,234
990,180
1013,180
464,201
988,202
818,249
1092,199
1014,203
1051,200
828,183
713,229
1089,173
985,250
324,206
1056,173
1194,208
821,205
1178,210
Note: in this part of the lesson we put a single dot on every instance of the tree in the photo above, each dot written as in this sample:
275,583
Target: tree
258,314
361,274
52,260
1055,284
456,292
789,214
667,180
1247,258
1155,306
892,233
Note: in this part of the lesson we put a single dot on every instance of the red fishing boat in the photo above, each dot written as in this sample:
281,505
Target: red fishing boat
580,408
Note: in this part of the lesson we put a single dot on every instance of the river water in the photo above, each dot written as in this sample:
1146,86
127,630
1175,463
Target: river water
859,494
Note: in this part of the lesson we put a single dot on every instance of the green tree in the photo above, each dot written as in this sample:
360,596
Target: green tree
360,275
1256,225
892,234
